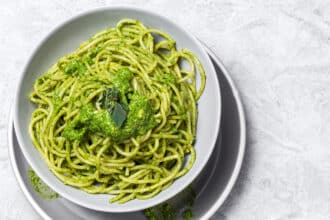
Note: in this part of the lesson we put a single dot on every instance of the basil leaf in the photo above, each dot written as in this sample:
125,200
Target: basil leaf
118,114
112,94
111,101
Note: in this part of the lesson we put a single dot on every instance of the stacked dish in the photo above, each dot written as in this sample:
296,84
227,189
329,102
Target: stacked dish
109,147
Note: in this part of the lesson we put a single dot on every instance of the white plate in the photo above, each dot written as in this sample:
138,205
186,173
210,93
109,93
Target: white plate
212,186
65,39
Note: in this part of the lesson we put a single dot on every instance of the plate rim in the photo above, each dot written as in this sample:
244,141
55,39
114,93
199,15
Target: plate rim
228,188
18,177
76,17
242,140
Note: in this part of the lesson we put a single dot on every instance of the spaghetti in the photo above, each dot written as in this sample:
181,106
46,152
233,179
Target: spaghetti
118,115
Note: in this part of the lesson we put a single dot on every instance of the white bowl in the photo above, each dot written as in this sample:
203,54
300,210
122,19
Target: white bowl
65,39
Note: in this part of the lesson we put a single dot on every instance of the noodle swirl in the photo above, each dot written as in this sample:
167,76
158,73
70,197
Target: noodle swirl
118,115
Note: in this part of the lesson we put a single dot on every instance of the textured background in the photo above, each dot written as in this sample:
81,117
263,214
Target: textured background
278,53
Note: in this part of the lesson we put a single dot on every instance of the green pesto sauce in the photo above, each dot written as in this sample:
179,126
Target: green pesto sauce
139,120
122,80
75,66
166,78
40,187
57,101
78,66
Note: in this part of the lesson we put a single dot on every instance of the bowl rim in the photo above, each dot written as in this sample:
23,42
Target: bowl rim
34,53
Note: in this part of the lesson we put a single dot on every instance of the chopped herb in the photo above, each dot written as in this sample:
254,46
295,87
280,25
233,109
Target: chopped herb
187,214
167,211
150,214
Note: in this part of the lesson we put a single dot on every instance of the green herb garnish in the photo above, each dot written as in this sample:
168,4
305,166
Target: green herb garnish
189,195
187,214
150,214
167,211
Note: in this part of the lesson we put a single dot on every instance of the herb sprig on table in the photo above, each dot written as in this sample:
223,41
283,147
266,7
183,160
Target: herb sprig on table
167,211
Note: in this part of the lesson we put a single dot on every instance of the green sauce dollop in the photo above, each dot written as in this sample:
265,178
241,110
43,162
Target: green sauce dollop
122,80
139,120
124,114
